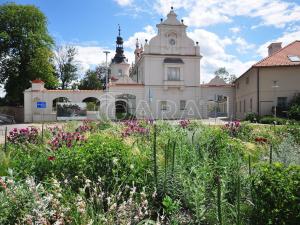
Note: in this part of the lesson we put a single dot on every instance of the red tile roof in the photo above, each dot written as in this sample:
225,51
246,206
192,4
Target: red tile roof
281,58
37,81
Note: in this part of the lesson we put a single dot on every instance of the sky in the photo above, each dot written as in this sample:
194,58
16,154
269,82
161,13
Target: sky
231,33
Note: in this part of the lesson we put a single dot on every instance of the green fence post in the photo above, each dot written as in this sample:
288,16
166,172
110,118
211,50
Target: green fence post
154,156
271,153
5,139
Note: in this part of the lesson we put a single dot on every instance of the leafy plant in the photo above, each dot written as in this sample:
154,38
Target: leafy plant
275,194
252,117
170,206
294,112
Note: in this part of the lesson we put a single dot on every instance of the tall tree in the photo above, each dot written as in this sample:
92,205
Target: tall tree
224,74
91,81
25,50
66,67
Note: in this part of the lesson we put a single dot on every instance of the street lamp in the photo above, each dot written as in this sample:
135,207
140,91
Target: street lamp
275,86
106,75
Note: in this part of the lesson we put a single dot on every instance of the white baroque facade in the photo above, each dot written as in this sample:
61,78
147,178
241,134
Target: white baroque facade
164,82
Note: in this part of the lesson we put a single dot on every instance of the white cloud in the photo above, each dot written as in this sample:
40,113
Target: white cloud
163,6
88,57
286,39
124,2
242,45
235,30
213,49
148,33
202,13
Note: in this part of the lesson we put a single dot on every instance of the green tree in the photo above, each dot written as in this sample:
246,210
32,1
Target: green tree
224,74
91,81
25,50
66,67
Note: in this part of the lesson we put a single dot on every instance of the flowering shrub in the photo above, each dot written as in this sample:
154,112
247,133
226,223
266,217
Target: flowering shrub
23,135
184,123
68,139
55,130
134,127
87,126
31,203
232,127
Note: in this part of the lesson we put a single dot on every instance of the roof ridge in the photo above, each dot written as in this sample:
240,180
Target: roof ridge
275,53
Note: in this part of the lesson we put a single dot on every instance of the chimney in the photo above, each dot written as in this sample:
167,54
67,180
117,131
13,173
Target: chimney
37,85
274,47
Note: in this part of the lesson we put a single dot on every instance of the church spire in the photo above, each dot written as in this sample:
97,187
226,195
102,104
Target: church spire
119,56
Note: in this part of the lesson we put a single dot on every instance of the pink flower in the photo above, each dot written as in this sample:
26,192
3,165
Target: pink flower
184,123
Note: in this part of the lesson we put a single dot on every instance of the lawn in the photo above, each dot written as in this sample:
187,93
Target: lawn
151,172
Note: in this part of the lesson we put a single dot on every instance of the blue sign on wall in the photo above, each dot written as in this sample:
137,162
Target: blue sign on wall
41,105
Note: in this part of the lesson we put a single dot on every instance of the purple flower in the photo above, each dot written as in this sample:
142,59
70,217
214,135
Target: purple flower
184,123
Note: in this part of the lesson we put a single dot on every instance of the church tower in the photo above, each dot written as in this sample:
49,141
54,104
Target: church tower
138,51
119,64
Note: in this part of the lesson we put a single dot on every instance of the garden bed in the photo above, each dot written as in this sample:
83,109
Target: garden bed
151,172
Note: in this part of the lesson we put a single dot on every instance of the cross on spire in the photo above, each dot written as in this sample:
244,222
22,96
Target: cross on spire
119,30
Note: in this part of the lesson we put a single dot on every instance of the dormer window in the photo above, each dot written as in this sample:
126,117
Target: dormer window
294,58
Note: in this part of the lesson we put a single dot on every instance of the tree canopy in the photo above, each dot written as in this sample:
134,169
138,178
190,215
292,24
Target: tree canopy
66,67
224,74
25,50
91,81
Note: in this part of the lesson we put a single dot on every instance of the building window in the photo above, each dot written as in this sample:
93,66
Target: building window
244,105
251,104
282,102
182,104
120,72
294,58
247,80
173,73
163,105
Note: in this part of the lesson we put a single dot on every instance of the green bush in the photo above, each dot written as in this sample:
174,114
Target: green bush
275,193
294,112
252,117
101,156
272,119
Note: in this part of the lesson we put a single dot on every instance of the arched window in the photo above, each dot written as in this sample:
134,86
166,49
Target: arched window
92,103
57,100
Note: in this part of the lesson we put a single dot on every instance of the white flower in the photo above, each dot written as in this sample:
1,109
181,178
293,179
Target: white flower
91,222
113,206
131,166
115,161
88,181
108,200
